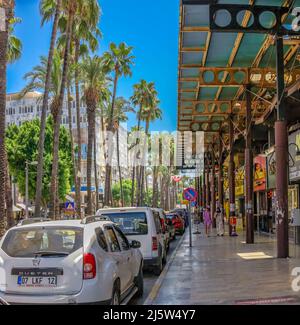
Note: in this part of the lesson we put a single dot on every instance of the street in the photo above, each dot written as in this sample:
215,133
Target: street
150,278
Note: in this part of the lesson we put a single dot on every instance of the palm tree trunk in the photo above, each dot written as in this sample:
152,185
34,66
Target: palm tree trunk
77,99
119,168
96,172
71,136
40,159
142,173
135,173
155,187
3,63
57,121
107,196
91,136
9,200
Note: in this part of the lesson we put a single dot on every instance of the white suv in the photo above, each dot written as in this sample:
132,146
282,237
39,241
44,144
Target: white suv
141,224
69,262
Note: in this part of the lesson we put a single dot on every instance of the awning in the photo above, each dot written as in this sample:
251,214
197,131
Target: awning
16,209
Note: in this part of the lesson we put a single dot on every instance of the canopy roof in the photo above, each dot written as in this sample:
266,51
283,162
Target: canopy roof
207,92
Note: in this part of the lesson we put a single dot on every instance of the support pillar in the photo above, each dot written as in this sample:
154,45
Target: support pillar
213,189
207,186
204,186
220,176
249,173
231,175
281,152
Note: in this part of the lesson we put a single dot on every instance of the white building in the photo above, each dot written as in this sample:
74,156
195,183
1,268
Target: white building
19,110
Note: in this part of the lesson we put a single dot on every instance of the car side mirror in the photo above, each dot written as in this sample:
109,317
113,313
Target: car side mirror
135,244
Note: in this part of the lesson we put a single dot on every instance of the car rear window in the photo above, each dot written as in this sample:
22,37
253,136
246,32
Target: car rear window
131,223
44,241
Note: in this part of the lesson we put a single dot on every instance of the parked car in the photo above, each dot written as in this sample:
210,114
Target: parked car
142,224
69,262
178,222
183,213
164,227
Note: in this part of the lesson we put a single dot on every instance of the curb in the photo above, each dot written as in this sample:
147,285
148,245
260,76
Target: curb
155,290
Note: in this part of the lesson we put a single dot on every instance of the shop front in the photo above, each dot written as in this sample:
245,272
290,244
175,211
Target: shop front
260,194
240,198
294,178
271,189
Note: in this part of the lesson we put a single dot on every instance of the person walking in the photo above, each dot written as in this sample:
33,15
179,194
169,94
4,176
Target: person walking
207,221
219,222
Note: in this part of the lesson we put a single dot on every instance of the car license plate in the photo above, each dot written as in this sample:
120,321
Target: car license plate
37,282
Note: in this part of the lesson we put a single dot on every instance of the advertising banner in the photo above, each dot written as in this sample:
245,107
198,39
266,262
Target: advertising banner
260,173
294,149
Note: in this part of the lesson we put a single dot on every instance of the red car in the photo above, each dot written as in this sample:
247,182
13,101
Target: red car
177,222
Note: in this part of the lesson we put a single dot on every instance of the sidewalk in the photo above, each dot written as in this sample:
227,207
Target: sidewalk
212,272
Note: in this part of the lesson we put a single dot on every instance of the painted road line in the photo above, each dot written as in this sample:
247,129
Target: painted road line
154,292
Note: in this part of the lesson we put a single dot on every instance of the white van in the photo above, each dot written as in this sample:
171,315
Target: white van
143,225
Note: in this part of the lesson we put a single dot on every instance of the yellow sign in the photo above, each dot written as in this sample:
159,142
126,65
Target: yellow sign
239,182
185,202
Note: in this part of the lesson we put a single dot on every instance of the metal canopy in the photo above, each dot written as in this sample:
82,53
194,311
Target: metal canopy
215,67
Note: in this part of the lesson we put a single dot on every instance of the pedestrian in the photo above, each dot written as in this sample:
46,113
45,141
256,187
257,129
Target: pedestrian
207,221
219,221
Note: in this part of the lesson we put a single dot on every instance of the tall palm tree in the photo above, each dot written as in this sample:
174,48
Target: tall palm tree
85,35
8,7
149,114
44,9
122,107
94,82
142,97
118,60
72,7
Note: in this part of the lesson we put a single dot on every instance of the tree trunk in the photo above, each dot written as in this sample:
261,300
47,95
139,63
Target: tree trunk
155,187
9,200
40,159
96,171
57,121
142,172
107,196
78,125
91,111
3,171
71,137
119,168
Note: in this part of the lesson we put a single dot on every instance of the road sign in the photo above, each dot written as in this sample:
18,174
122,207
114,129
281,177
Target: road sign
190,194
70,207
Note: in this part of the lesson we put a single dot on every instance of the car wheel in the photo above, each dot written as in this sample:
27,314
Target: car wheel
116,300
139,283
158,269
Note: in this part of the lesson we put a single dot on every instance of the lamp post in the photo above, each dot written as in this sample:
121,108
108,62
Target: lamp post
27,164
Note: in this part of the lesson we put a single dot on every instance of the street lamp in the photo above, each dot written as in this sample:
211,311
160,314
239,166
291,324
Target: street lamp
27,164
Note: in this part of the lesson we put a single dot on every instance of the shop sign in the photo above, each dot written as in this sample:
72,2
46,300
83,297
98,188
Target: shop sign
271,171
239,182
294,147
260,173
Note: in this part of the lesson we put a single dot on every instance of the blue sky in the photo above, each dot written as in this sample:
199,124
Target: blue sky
151,27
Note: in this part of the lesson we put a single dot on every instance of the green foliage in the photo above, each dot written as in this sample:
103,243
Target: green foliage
127,183
22,146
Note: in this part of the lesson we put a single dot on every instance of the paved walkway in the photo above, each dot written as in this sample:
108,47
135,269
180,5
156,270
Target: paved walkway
214,272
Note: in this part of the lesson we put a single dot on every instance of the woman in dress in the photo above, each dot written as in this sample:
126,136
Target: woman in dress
207,221
219,222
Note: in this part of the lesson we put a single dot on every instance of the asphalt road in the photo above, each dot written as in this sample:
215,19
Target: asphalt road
150,278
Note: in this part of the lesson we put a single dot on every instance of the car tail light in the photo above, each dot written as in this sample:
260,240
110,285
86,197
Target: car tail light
89,266
154,244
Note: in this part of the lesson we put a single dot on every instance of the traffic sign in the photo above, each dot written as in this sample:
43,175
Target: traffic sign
190,194
70,206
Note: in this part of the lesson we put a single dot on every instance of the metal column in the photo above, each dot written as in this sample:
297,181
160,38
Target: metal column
281,152
220,176
213,189
231,174
249,173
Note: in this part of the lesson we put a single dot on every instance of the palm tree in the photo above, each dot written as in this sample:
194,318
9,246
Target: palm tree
149,114
122,107
142,97
8,6
44,6
85,37
118,60
94,82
